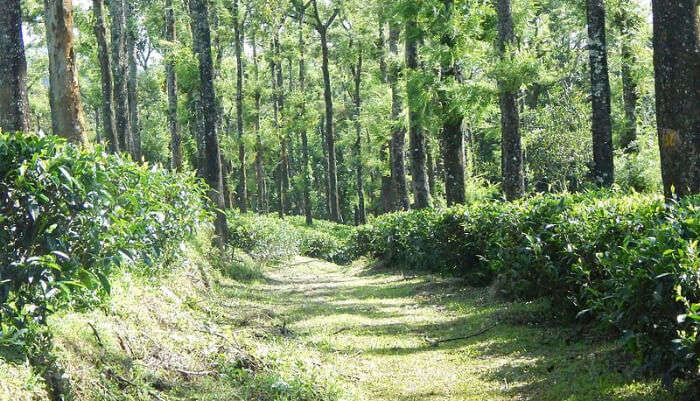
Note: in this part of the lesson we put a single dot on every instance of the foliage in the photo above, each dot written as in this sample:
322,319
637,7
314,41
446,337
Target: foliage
619,259
270,239
70,216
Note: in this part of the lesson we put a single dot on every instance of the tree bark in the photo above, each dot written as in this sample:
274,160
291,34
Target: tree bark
357,78
67,119
603,165
306,170
14,107
259,167
106,77
322,29
242,178
132,85
677,67
171,78
398,136
452,137
629,86
511,146
212,172
421,190
120,74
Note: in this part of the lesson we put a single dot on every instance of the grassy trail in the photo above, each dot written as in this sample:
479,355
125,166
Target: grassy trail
368,332
314,331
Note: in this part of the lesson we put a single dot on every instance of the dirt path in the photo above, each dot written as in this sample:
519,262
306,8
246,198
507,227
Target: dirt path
369,331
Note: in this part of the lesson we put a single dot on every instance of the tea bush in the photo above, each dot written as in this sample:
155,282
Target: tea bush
270,239
70,216
620,259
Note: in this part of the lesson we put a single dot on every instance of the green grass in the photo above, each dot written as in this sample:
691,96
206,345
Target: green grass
311,330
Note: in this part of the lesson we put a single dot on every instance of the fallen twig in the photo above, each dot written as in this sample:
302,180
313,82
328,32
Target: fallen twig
435,343
97,335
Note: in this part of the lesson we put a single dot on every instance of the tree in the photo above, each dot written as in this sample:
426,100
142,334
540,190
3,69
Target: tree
242,178
67,118
603,165
511,147
117,10
322,29
452,138
417,143
626,21
398,136
212,168
14,113
356,69
132,82
300,9
262,205
171,78
106,77
677,68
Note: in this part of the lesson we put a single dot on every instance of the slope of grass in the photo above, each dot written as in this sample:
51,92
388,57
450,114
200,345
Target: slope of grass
312,330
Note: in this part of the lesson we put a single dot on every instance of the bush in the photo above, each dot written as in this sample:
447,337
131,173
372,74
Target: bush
622,260
270,239
70,216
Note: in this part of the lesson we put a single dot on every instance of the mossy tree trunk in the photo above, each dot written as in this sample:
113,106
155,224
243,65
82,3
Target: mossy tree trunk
67,119
14,106
677,67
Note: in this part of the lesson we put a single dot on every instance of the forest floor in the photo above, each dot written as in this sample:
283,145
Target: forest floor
310,330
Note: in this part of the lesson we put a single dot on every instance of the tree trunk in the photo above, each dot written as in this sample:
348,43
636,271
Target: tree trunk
628,137
14,107
330,136
132,85
677,68
212,173
284,142
106,77
398,136
511,147
259,167
357,72
243,179
603,168
120,74
67,118
306,170
171,77
452,137
322,29
421,190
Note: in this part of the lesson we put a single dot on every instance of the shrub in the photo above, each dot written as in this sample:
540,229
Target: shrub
70,216
621,259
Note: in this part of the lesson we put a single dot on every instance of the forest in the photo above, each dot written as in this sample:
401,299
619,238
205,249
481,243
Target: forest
340,200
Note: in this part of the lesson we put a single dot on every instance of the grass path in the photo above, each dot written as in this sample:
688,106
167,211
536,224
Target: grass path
368,332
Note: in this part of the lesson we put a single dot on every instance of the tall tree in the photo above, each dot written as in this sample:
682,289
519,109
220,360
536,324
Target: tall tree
356,70
626,21
300,9
199,10
417,145
677,67
171,78
117,10
398,135
14,112
322,29
67,119
132,83
106,77
603,166
511,146
452,138
242,177
259,165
